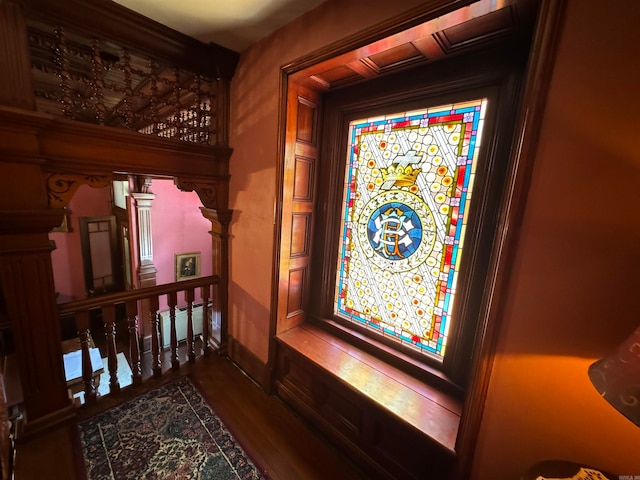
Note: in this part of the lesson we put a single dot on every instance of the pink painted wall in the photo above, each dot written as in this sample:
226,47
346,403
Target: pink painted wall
572,295
68,273
177,226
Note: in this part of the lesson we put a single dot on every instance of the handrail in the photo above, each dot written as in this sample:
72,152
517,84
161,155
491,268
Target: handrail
138,294
80,310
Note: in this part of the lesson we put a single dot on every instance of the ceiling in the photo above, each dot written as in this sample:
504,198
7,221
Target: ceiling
234,24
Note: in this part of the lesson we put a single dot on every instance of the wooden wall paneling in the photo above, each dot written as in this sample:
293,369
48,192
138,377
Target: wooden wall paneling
300,229
479,30
16,88
297,380
344,412
74,146
380,444
295,297
400,55
406,451
303,179
298,203
26,280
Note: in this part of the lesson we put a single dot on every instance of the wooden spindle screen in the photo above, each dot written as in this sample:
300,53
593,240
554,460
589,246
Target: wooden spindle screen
97,81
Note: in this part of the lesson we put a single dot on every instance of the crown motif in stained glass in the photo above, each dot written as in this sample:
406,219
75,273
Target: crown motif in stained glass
401,173
400,176
408,186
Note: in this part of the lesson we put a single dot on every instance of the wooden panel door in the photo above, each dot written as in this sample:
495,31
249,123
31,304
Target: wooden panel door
100,254
298,203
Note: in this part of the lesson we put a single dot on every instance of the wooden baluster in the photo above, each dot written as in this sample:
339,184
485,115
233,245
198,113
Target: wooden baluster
109,316
156,362
97,82
204,293
177,108
82,321
63,64
173,300
188,294
153,99
134,342
129,116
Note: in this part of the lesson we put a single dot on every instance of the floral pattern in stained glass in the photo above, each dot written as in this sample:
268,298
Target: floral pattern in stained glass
408,186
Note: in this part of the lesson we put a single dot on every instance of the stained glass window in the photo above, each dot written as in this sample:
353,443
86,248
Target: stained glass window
408,184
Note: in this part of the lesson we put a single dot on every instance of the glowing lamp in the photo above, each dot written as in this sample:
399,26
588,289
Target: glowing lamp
617,377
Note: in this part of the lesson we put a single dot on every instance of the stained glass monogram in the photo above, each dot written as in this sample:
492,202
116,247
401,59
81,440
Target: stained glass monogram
408,187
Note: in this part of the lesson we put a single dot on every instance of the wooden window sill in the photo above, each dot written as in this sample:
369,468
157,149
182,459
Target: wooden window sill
434,413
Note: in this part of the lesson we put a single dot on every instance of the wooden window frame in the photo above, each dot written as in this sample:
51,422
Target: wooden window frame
496,75
300,74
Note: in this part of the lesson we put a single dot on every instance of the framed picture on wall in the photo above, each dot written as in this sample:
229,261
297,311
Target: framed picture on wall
187,266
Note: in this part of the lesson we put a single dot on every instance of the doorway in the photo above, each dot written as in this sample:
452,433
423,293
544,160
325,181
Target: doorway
101,254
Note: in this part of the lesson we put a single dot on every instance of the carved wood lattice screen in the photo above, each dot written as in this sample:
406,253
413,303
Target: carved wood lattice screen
97,81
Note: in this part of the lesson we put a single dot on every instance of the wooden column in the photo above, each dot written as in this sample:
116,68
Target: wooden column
26,275
146,268
220,253
26,279
16,88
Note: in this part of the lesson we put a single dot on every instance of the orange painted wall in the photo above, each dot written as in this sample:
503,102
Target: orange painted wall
255,91
574,285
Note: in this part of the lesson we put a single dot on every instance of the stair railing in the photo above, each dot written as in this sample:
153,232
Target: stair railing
80,310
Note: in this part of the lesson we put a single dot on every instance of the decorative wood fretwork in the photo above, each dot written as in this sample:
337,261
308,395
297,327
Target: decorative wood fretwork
62,186
207,192
98,81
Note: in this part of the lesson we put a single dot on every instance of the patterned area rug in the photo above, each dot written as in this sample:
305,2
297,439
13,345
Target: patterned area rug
169,433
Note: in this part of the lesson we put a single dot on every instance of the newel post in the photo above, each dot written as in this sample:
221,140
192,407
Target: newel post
28,297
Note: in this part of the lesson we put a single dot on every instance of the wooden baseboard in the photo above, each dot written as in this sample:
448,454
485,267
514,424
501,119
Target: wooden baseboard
248,361
33,429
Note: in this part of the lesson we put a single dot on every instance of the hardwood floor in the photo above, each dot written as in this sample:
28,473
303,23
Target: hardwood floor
279,442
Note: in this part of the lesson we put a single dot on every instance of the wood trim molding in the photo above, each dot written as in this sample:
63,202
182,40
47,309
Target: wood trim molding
65,146
62,186
70,146
423,13
248,361
30,221
277,231
207,192
543,53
